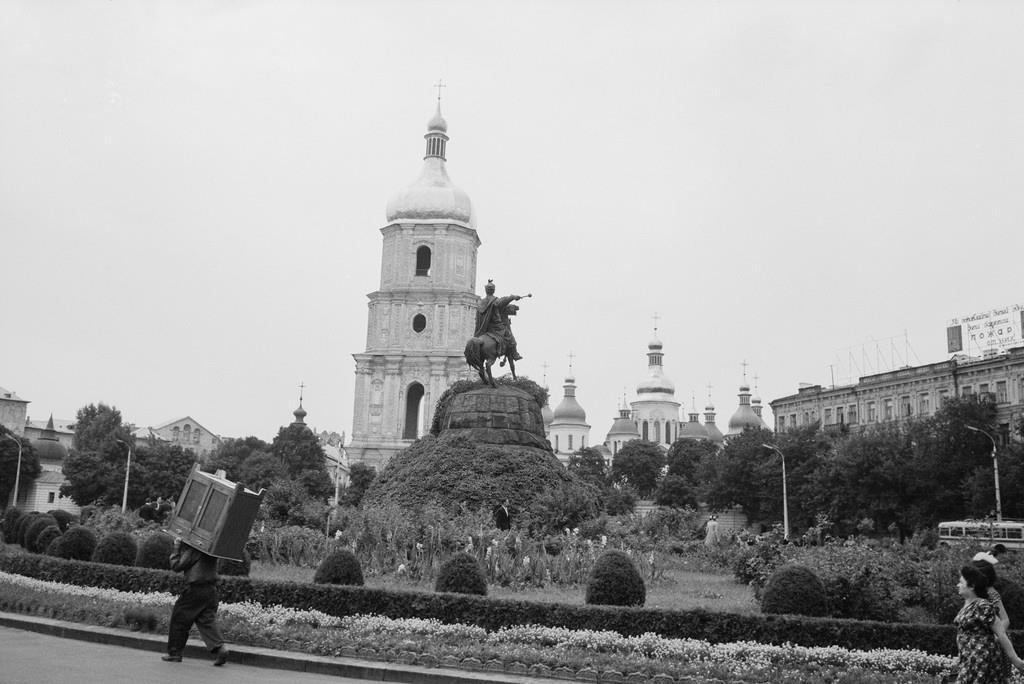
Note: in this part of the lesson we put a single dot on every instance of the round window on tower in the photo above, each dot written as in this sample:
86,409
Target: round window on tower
419,322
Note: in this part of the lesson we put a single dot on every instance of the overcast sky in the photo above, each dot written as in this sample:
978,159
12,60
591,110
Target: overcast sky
191,192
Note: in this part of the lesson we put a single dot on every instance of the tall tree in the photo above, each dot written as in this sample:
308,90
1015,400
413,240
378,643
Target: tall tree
588,464
159,470
639,463
230,454
736,475
30,467
360,477
98,427
92,477
299,450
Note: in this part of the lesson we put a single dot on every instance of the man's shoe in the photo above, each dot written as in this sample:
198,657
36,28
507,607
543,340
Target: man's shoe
222,656
171,658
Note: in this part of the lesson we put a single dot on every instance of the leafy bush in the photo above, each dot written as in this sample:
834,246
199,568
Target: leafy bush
339,567
116,548
21,527
155,552
615,581
78,543
64,519
46,537
794,590
32,530
10,521
461,574
1013,600
235,568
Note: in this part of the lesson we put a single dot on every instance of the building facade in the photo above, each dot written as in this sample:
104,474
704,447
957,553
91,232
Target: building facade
13,411
911,392
423,313
185,432
655,410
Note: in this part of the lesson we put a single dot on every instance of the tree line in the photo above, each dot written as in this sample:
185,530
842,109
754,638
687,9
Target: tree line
895,477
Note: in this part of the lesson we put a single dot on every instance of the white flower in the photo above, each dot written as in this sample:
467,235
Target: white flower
526,561
401,568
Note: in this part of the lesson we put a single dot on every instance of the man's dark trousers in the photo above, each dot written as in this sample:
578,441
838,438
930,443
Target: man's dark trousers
197,604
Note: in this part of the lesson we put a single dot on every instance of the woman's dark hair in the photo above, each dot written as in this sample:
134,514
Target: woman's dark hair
987,569
976,579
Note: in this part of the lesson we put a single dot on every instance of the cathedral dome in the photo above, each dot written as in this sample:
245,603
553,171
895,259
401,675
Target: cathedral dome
432,196
47,447
569,410
656,382
744,416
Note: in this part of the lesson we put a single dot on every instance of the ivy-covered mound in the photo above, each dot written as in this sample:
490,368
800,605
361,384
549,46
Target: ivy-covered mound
488,445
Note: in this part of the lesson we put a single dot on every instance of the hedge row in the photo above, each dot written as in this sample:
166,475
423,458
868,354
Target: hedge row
493,613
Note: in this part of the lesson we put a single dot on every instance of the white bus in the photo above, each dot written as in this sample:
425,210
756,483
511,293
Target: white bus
1009,533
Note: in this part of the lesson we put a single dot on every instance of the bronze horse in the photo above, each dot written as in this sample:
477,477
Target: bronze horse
482,352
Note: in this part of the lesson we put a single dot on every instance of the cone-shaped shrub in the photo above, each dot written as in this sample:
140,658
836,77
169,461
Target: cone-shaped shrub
795,590
78,543
116,548
339,567
461,574
46,537
64,519
155,552
235,568
614,581
11,517
38,524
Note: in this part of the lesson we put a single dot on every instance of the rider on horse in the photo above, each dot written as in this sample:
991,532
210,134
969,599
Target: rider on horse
492,319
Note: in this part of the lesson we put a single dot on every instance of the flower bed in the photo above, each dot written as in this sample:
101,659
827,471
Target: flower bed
528,648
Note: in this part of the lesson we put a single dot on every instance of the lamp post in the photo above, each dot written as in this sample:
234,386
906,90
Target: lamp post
785,499
995,470
17,472
127,470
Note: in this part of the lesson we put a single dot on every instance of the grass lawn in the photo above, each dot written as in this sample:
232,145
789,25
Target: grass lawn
680,590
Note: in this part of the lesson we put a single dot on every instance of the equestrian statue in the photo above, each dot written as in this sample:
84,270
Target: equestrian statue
493,337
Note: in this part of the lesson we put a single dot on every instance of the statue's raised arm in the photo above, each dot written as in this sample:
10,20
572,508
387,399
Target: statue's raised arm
493,333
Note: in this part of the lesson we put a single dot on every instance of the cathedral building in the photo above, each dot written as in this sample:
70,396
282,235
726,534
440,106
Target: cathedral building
655,411
568,431
423,312
744,417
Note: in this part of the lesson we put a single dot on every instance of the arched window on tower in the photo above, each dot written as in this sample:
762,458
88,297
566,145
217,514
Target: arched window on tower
556,442
423,261
413,411
657,431
643,431
570,442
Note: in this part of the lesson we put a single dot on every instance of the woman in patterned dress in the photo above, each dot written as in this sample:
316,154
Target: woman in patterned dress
982,660
986,562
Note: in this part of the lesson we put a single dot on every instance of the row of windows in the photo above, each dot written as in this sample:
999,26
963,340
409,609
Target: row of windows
569,447
905,406
652,431
186,435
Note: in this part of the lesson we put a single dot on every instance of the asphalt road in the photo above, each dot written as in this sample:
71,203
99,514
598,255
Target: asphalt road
33,658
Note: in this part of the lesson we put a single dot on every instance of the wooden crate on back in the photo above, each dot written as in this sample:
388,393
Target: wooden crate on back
214,514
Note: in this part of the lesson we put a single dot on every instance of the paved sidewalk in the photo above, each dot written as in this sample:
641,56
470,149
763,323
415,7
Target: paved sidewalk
116,655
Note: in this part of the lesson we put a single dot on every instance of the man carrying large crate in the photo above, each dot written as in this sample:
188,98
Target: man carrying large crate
196,605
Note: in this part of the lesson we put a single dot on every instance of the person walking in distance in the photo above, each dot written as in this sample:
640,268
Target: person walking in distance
502,516
196,605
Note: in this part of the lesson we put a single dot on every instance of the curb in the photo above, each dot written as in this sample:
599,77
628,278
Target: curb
266,657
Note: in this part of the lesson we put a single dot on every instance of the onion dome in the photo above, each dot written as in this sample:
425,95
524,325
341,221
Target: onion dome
655,382
432,196
714,434
744,416
300,415
692,429
623,428
569,411
47,447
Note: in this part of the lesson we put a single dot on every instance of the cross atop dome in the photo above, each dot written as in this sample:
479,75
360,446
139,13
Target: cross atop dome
440,84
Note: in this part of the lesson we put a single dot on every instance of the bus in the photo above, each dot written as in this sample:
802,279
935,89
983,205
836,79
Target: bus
1009,533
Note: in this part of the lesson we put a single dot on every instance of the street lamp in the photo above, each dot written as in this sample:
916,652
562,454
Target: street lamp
127,470
995,470
785,499
17,473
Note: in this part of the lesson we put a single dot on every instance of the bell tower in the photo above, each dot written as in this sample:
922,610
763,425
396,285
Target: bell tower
423,312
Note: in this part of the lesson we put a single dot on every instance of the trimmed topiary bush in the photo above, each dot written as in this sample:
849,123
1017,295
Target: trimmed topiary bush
234,568
155,552
116,548
64,519
461,574
339,567
46,537
78,543
10,521
614,581
21,527
40,523
794,590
